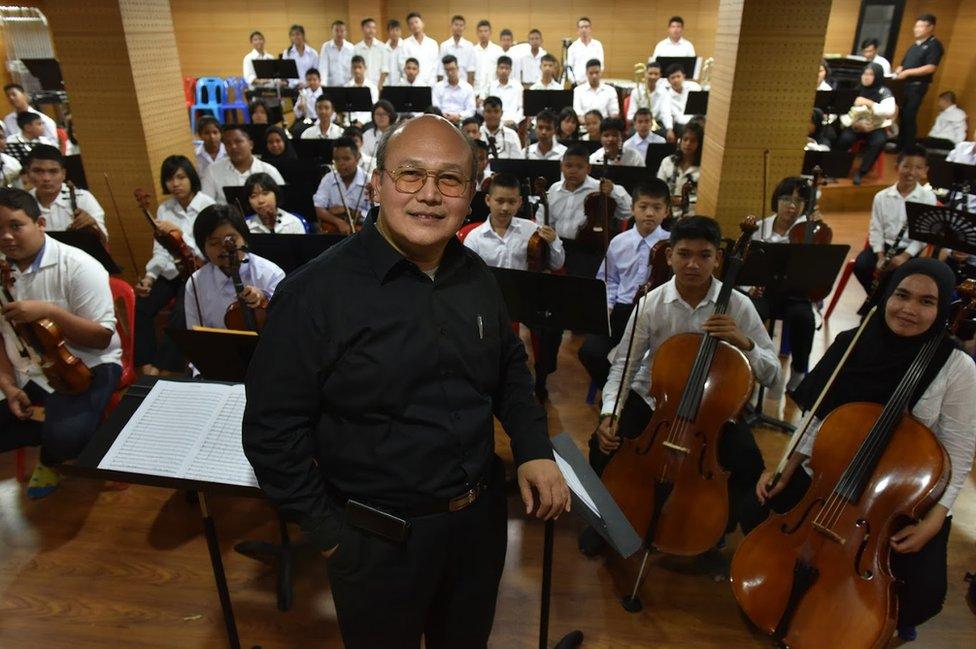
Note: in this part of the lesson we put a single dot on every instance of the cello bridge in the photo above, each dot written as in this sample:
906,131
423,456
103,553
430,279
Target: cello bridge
829,533
675,447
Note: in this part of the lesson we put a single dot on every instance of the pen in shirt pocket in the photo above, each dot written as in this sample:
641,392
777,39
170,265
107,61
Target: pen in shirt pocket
481,328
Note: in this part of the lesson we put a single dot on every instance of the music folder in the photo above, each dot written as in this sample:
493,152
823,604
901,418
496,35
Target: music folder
535,101
349,99
218,354
550,300
592,146
291,251
522,169
697,103
835,102
950,175
407,99
797,269
319,150
89,242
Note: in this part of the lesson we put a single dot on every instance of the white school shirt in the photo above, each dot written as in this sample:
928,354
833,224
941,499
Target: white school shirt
485,64
69,278
555,153
223,174
457,98
10,169
162,264
462,50
531,66
314,132
216,290
888,217
948,409
883,62
654,101
602,98
335,63
668,47
19,138
249,74
552,85
640,144
823,85
950,124
305,106
628,257
566,214
767,234
514,53
371,139
511,249
964,153
398,55
354,195
511,96
662,314
675,177
377,58
364,116
506,142
427,54
11,128
58,215
677,101
286,223
579,53
628,158
309,58
204,160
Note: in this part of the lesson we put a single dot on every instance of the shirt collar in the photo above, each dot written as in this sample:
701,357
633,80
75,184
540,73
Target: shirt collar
384,259
46,256
671,293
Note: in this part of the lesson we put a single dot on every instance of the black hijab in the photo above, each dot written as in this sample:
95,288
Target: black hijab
287,154
881,357
874,92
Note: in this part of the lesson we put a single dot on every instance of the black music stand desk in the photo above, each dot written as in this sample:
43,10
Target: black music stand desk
943,227
835,164
697,103
408,99
535,101
349,99
89,242
548,169
687,63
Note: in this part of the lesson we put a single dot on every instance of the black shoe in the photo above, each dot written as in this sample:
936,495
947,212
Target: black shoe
856,179
590,542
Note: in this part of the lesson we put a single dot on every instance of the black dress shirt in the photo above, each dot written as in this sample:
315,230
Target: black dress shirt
371,381
929,52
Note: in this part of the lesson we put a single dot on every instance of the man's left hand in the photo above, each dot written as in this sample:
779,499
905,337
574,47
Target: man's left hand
543,477
914,537
26,311
724,327
83,219
547,233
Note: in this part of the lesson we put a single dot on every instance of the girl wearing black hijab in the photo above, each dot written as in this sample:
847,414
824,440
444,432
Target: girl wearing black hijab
278,147
873,112
915,309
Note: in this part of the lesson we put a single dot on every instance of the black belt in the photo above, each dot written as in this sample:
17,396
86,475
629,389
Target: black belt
436,506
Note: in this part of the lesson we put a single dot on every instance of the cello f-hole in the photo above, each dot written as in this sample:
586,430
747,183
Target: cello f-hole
705,473
806,514
646,447
865,527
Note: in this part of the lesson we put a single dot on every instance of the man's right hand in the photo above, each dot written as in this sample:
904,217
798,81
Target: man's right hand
764,492
18,402
607,434
670,137
143,287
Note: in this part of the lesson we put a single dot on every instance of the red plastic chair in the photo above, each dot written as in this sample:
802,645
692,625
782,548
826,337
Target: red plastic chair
624,109
189,90
845,276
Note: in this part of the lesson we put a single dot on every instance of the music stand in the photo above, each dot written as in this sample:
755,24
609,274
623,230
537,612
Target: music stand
319,151
592,146
522,169
535,101
626,177
219,355
47,72
278,69
687,63
791,269
74,171
349,99
697,103
835,102
950,175
89,242
407,99
291,251
835,164
656,153
943,227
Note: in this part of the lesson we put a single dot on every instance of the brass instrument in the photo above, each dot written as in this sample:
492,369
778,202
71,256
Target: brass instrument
706,72
865,115
642,94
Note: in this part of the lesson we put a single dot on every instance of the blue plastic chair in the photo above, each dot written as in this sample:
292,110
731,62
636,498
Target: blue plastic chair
209,97
235,87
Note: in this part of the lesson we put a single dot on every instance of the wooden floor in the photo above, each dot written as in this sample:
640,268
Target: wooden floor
91,567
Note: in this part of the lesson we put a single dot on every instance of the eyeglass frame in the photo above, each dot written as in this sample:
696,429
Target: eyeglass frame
435,174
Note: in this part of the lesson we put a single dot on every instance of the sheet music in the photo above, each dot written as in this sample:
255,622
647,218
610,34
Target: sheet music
574,484
185,430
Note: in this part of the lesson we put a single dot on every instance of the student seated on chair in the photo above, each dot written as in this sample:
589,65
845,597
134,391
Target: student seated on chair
591,124
259,112
547,71
31,131
47,173
211,148
509,90
211,290
505,140
546,147
65,285
594,94
162,283
359,80
239,164
611,136
305,105
263,195
324,128
366,162
873,112
949,128
341,196
888,227
643,136
683,165
569,125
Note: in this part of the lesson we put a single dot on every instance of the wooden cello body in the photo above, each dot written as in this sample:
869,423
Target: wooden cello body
819,575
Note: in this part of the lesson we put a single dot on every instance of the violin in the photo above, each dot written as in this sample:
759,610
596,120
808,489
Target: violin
41,341
239,315
668,481
819,575
812,231
171,240
354,219
538,253
594,234
660,272
73,202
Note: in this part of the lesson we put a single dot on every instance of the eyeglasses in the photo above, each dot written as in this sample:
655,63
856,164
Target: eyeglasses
410,180
788,200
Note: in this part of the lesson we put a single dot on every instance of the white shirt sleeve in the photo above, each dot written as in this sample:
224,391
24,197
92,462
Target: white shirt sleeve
613,103
762,357
248,72
209,185
885,108
557,256
876,227
190,301
955,423
89,295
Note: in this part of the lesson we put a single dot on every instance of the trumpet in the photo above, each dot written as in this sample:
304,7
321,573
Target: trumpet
642,95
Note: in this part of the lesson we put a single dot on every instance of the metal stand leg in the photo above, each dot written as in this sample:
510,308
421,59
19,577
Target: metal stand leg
758,417
632,603
210,531
282,554
572,639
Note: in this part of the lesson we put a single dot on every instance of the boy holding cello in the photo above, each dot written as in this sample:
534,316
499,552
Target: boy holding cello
66,292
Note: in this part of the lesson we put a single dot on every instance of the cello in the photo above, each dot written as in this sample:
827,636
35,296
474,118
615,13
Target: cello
73,202
41,341
812,230
668,481
239,315
819,575
538,253
594,234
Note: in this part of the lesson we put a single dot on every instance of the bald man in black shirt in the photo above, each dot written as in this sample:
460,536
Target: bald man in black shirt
369,408
917,69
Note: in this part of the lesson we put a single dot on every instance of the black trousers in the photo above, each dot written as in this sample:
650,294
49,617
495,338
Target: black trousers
593,352
165,355
737,452
548,339
912,96
440,584
798,321
864,265
580,261
922,575
874,145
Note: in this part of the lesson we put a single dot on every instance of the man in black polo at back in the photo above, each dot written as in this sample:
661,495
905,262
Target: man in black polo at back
917,69
369,408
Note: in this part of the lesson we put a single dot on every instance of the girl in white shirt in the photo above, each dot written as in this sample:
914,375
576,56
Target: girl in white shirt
211,149
384,116
684,164
264,194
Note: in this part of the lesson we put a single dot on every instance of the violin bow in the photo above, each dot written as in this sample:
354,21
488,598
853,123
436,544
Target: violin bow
342,199
118,217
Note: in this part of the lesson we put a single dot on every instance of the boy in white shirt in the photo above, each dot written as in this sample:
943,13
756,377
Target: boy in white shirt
676,97
611,136
305,106
211,148
342,195
503,140
508,91
239,164
643,135
594,94
506,40
335,56
46,173
675,44
583,50
18,99
31,131
531,61
950,123
546,148
453,95
10,167
423,48
359,80
547,74
65,285
256,54
411,73
398,53
486,56
460,48
375,53
325,112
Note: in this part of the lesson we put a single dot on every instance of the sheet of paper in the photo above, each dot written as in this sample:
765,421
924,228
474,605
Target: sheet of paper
185,430
574,484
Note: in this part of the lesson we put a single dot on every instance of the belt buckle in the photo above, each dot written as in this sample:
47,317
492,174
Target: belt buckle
460,502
